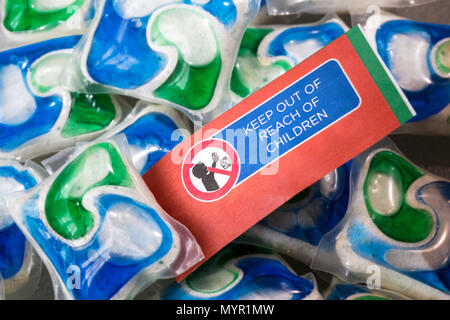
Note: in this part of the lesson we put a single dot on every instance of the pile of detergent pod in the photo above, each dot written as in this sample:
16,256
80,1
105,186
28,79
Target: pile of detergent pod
94,92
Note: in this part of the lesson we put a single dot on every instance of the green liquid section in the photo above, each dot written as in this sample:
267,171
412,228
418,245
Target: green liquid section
249,50
190,86
63,205
442,57
213,276
407,224
371,298
20,16
89,113
211,279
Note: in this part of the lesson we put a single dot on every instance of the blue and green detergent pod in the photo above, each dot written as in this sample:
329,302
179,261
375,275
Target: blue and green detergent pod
418,55
296,228
37,115
244,277
266,52
179,53
152,131
99,230
397,222
20,266
27,21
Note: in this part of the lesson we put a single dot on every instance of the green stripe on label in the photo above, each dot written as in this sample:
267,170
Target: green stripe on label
380,75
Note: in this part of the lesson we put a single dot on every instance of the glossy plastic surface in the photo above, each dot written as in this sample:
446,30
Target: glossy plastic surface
176,52
398,222
37,115
99,229
248,277
417,55
266,52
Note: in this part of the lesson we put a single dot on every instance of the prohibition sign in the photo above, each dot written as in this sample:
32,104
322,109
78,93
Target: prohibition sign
210,170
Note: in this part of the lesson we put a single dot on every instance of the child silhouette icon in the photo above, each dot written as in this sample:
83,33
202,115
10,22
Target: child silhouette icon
200,171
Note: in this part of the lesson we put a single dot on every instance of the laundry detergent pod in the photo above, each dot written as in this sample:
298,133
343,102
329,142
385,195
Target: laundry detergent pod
246,277
179,53
417,54
98,228
395,228
37,115
28,21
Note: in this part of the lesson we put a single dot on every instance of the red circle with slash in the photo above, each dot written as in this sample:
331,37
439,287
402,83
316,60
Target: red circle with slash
224,174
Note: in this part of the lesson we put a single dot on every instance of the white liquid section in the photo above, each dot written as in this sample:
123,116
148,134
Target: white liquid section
300,50
7,185
50,5
128,232
254,74
47,71
385,193
96,167
139,157
408,57
128,9
191,33
200,2
268,294
17,105
213,281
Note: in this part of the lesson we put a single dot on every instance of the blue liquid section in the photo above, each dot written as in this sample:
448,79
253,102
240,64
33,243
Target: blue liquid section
366,245
120,55
323,33
48,109
436,96
343,291
224,10
100,277
12,251
12,241
259,275
152,134
330,216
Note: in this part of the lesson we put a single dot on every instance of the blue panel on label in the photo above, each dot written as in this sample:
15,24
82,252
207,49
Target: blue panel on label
292,116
